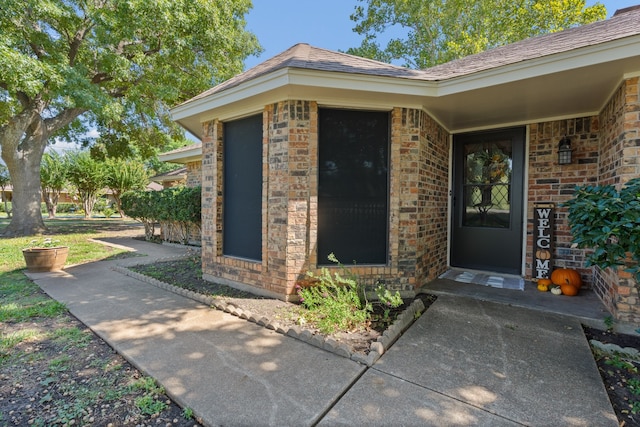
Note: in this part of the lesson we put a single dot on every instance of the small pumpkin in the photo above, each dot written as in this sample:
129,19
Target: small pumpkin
569,290
556,290
543,284
543,254
566,276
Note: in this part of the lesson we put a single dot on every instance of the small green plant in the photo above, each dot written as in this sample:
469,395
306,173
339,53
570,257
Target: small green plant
149,405
388,300
635,407
633,384
608,323
334,304
619,363
46,242
108,212
187,413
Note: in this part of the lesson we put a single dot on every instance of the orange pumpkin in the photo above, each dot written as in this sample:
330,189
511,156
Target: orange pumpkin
566,276
569,290
544,281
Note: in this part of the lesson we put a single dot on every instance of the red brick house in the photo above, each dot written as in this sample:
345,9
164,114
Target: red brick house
411,172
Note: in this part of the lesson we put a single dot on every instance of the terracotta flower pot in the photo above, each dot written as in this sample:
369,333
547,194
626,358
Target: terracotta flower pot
45,259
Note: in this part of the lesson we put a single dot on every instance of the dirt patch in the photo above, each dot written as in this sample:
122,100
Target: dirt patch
66,375
620,374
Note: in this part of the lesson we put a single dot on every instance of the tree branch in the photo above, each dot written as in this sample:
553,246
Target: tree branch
62,119
75,44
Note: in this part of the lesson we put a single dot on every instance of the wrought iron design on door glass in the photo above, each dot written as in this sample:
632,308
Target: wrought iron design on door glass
487,184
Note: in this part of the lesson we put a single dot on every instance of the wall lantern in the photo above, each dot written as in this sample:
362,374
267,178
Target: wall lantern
564,151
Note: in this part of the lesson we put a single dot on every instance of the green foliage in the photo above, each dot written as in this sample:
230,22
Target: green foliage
71,65
125,175
439,31
88,176
187,413
334,304
388,300
4,181
150,402
608,220
53,179
608,323
141,205
617,362
178,207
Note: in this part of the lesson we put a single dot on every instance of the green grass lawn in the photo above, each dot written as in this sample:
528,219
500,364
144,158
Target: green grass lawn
74,232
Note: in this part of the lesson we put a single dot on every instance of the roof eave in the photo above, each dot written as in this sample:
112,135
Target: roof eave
182,157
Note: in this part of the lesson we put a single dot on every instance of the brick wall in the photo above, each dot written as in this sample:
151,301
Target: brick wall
418,203
550,182
419,195
620,162
194,174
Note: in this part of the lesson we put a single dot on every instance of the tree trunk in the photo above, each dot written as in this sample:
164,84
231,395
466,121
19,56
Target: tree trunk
23,140
24,169
51,199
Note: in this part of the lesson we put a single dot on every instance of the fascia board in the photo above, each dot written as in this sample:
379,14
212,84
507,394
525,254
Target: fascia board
182,157
271,81
310,78
620,49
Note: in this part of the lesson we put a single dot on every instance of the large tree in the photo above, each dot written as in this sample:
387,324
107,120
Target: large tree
108,64
438,31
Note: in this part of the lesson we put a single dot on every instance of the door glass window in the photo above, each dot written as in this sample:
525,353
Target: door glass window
487,184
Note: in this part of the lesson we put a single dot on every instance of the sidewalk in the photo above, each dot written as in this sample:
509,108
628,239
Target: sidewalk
464,362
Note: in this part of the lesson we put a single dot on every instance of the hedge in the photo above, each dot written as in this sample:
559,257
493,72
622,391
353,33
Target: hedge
177,208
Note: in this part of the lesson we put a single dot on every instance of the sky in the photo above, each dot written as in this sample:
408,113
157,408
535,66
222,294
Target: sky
280,24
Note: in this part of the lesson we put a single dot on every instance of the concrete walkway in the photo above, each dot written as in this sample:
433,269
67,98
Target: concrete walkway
464,362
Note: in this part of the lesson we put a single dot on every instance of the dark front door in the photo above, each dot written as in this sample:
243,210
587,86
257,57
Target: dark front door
486,232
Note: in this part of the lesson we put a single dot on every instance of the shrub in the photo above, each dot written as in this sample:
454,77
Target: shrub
334,303
177,209
608,221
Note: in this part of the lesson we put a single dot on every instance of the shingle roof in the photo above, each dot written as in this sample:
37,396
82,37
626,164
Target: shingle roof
304,56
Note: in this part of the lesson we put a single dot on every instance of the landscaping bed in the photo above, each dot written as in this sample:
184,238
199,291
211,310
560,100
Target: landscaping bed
185,273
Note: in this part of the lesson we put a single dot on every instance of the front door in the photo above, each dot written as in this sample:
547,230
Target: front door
487,224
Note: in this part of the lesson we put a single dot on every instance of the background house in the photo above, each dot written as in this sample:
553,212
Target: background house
411,172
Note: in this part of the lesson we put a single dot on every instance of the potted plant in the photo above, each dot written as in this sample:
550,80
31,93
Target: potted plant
607,220
45,255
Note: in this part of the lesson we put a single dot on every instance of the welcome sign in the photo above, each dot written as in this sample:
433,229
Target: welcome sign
543,222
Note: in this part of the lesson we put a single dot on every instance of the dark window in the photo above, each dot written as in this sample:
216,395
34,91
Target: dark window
353,195
242,202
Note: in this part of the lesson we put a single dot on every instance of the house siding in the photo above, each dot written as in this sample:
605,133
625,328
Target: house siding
620,162
549,182
419,161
